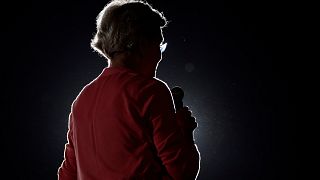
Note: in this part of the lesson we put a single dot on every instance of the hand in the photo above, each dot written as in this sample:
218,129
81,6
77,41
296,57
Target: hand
185,119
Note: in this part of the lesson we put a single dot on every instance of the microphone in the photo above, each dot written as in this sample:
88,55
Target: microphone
177,94
190,124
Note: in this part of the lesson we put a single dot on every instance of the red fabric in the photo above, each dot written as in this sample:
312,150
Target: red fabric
123,126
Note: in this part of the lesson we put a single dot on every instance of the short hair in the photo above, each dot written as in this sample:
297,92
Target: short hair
122,24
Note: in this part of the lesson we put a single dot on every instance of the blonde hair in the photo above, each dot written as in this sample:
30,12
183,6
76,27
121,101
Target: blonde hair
123,23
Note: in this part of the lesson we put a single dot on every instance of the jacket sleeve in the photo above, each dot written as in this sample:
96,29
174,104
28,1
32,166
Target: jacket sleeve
177,151
68,168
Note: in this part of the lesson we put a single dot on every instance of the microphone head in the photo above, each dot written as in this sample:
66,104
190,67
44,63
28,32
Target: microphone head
177,94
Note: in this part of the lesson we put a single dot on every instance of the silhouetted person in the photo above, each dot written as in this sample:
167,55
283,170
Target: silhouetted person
123,125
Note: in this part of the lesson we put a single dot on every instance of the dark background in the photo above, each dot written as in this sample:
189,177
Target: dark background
229,57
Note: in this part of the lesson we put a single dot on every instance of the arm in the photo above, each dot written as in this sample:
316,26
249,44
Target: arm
68,168
175,148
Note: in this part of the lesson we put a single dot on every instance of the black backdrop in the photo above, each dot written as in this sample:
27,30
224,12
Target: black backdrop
227,55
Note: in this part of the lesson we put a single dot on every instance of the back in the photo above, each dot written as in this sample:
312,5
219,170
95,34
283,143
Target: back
123,126
112,133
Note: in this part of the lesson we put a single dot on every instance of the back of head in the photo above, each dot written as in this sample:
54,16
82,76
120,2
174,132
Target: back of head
122,24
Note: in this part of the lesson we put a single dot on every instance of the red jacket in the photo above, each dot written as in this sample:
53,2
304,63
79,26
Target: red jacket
123,126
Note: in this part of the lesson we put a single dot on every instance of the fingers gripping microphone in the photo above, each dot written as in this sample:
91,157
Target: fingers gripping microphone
177,94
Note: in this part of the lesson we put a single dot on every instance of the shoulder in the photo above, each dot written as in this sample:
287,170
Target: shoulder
87,91
155,91
154,86
160,86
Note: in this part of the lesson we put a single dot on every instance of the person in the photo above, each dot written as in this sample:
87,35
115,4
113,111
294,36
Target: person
123,124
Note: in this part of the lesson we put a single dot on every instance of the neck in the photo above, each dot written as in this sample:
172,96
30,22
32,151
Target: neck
133,63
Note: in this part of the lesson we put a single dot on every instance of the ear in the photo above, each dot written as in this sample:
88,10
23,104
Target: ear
142,47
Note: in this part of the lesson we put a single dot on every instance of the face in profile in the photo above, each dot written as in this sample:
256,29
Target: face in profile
154,48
